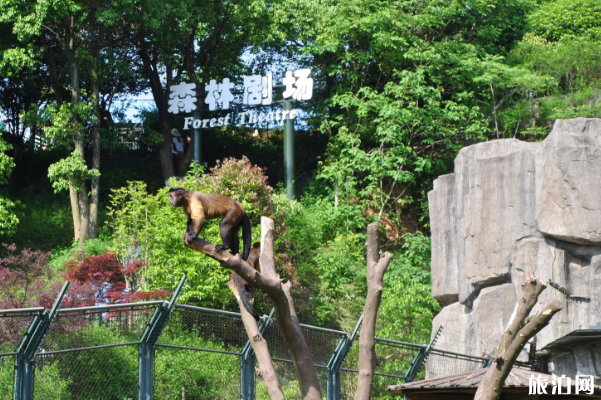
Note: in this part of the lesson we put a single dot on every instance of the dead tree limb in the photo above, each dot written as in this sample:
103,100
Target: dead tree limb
376,268
520,330
259,345
279,293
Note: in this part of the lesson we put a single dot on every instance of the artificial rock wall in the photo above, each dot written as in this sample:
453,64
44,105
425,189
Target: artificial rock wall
511,207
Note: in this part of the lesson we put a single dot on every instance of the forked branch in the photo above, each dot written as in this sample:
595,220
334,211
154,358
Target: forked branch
516,336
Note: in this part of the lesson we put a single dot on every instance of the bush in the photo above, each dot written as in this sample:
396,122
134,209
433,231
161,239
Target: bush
158,229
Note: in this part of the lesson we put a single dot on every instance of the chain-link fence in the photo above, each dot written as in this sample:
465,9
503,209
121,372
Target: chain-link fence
169,351
13,326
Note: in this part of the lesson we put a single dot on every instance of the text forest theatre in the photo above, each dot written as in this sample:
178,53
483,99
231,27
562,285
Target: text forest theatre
257,92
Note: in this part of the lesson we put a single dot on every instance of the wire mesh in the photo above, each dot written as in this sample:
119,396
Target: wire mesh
75,329
195,375
94,374
288,381
393,361
7,377
12,329
197,355
92,353
204,329
321,344
439,364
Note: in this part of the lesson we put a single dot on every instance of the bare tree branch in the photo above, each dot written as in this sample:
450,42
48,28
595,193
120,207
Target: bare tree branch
376,268
279,293
516,336
259,345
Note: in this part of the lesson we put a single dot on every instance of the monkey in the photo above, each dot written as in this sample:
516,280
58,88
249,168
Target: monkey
199,207
245,290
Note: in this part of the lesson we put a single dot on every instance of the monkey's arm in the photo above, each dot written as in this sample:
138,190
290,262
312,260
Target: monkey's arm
196,221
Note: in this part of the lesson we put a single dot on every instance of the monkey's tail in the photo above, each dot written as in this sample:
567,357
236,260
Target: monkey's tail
245,296
246,236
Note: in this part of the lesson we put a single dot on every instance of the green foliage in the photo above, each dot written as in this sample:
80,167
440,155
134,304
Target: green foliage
560,20
407,306
7,375
8,218
70,171
572,62
152,222
6,162
240,180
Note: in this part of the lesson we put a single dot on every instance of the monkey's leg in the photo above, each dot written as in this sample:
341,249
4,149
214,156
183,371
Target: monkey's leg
228,228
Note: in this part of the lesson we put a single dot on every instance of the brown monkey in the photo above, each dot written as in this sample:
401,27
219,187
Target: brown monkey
245,290
199,207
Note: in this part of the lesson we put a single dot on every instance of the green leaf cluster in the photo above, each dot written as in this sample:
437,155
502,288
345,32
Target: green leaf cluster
8,218
70,172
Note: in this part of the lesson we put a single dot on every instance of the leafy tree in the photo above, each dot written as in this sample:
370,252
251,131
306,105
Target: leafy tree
564,20
206,42
81,30
407,85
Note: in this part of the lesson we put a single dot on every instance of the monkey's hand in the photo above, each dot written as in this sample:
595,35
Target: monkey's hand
190,236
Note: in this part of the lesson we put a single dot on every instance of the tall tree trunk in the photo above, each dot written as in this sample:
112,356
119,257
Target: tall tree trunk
74,210
152,73
84,213
376,268
266,369
96,134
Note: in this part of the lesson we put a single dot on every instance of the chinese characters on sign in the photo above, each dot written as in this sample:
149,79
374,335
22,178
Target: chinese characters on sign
182,98
258,90
584,384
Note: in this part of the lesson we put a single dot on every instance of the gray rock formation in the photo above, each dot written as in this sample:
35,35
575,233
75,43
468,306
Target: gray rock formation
512,207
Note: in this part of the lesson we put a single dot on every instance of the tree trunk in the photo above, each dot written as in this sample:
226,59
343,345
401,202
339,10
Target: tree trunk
259,345
184,163
279,293
84,212
70,48
518,333
96,133
74,210
376,268
152,73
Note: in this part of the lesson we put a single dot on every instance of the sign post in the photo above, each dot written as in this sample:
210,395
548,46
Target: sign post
196,143
289,151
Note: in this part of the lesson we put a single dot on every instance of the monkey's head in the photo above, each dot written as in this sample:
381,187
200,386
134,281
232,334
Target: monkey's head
177,196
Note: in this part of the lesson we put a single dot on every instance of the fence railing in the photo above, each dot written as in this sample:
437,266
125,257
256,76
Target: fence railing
166,350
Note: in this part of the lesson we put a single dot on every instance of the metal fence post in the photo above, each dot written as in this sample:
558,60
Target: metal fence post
148,341
25,366
420,358
289,151
336,360
247,362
